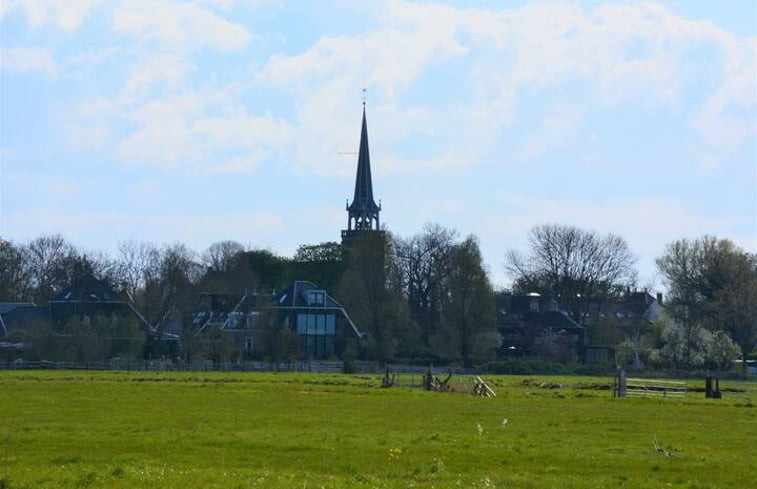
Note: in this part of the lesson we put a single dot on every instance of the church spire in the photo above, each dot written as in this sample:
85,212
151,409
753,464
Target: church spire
363,212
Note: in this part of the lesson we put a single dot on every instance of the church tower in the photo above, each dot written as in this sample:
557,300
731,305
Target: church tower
363,212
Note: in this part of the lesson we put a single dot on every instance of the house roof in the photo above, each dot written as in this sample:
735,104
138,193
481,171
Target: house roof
633,304
18,314
88,289
556,320
6,307
296,295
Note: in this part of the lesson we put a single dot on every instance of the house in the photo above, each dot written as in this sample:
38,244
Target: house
322,325
13,317
527,322
319,325
535,325
610,321
88,299
15,314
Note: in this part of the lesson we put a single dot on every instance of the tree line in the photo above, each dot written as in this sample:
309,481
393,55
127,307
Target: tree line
426,296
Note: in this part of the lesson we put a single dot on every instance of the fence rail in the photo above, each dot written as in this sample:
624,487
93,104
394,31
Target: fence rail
626,387
650,387
304,366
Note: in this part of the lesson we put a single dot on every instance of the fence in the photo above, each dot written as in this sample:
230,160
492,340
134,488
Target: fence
625,387
467,384
158,365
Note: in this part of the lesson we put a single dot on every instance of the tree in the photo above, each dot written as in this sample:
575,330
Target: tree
712,283
264,269
323,264
469,318
372,296
51,261
138,264
220,256
572,264
424,262
676,346
167,295
15,283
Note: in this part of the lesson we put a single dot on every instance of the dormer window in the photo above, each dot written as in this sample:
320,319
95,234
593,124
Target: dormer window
317,298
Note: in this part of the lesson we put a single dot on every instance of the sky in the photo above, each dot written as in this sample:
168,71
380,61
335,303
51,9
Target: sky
211,120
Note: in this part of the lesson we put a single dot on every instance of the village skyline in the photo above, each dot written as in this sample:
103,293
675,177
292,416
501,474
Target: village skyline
200,122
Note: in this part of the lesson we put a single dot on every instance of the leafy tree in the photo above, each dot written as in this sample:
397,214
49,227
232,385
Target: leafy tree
721,351
323,264
469,318
676,346
368,291
269,271
713,284
572,264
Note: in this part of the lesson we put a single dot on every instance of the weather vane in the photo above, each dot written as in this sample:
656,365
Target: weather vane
364,96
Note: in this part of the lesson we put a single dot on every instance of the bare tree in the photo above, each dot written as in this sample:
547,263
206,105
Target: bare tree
138,263
425,261
220,256
15,283
572,264
54,264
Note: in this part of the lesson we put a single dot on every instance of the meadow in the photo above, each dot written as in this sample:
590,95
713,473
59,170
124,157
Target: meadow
266,430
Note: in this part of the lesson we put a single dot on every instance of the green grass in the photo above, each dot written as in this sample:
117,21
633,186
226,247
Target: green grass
206,430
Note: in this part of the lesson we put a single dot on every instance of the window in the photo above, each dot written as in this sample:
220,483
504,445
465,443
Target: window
316,298
252,319
330,326
316,324
311,323
302,324
234,320
320,325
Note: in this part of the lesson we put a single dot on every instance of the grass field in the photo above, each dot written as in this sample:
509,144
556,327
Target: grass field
240,430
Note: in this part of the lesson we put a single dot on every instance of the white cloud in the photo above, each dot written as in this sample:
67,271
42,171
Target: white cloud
66,15
25,59
728,115
169,68
620,53
178,24
200,131
197,230
617,53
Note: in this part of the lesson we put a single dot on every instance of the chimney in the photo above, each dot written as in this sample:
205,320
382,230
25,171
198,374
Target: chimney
659,298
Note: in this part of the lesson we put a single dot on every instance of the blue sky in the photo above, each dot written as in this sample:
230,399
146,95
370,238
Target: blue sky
228,119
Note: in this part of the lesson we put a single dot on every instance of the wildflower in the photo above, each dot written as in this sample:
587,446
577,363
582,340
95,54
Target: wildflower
395,453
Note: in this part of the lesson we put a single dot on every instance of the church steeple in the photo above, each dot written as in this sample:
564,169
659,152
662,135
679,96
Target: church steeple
363,212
